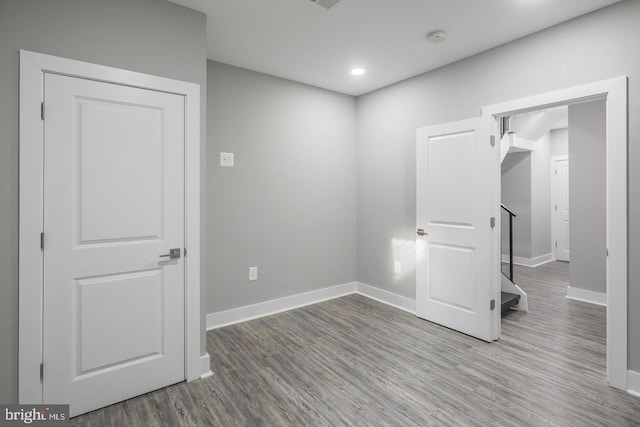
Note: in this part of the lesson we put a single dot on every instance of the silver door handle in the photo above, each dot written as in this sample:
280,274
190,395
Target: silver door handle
421,232
173,254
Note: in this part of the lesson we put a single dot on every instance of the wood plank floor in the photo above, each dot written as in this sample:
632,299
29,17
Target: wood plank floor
354,361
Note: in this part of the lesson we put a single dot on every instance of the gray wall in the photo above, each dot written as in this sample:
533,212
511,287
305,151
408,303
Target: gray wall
541,198
526,189
516,195
150,36
587,196
288,205
598,46
559,142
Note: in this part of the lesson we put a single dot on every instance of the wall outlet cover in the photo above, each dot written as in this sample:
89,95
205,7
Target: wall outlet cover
226,159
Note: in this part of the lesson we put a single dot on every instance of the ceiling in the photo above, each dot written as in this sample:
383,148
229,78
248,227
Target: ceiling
301,41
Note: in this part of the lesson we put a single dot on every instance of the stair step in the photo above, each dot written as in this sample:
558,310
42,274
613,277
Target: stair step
509,300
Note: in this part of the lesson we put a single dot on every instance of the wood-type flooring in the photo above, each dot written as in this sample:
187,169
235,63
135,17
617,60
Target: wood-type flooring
355,361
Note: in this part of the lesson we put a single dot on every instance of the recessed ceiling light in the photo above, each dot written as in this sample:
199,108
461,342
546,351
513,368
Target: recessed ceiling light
357,71
437,36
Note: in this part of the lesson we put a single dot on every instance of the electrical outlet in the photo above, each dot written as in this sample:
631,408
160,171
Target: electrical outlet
226,159
253,273
397,267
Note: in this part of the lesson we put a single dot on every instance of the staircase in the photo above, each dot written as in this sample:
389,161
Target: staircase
509,300
510,143
511,295
519,134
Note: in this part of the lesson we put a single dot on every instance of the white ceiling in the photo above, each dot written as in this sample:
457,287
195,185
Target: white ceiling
301,41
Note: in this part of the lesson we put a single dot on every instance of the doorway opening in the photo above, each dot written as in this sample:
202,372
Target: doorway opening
613,95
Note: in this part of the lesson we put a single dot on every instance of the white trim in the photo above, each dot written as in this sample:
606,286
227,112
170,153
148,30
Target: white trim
615,92
585,295
529,262
386,297
205,366
633,383
32,68
267,308
554,196
30,268
262,309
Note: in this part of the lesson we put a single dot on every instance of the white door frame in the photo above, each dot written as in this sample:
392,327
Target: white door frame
554,197
614,91
32,68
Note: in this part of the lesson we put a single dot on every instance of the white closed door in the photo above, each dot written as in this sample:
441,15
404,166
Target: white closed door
454,280
561,210
113,206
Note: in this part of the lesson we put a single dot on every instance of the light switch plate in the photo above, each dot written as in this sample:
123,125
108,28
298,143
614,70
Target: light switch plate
226,159
253,273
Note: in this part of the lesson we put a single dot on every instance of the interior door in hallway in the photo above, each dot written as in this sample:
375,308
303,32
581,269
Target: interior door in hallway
561,209
113,208
454,278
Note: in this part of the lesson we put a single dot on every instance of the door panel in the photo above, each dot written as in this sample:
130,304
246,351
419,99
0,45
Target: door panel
451,171
136,182
452,265
113,204
104,310
454,191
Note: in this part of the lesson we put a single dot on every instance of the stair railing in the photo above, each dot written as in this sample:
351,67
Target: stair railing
511,216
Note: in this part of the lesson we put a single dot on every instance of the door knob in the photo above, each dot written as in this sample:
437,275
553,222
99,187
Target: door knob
173,254
421,232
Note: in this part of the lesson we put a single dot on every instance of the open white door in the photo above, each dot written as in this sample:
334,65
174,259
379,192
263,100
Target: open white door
114,197
454,280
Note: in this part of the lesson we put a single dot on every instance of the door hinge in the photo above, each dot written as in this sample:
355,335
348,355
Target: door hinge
42,241
185,251
492,140
42,110
607,251
42,372
492,221
492,304
556,172
556,208
556,245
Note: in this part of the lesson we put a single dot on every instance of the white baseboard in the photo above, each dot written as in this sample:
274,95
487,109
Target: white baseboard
584,295
529,262
205,366
386,297
633,383
254,311
266,308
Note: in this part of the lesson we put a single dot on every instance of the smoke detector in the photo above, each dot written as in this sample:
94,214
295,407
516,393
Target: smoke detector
327,4
437,36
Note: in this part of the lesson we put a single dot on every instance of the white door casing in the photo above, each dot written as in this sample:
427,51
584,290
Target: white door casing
614,91
33,68
560,211
113,203
454,277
